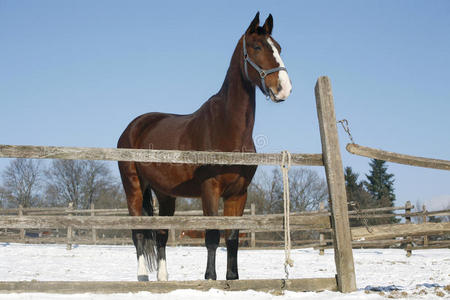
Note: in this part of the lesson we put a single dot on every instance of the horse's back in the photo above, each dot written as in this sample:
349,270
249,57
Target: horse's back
155,131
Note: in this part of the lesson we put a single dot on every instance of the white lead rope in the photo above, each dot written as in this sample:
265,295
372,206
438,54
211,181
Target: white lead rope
285,166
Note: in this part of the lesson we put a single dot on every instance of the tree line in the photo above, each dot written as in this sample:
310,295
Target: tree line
33,183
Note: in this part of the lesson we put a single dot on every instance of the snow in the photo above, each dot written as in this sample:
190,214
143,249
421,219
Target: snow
380,273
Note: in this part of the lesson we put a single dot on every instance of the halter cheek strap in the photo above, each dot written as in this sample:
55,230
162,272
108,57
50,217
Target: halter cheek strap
262,73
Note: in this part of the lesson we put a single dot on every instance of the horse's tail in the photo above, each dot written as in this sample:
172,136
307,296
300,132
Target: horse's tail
147,246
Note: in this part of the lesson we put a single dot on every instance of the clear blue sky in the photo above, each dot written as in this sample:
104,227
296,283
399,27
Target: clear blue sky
75,73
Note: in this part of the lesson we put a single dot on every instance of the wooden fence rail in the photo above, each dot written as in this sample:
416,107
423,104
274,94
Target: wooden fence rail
112,287
157,156
98,211
270,222
398,230
35,218
399,158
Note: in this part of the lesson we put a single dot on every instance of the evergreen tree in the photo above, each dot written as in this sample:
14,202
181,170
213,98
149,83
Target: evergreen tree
357,196
380,185
351,180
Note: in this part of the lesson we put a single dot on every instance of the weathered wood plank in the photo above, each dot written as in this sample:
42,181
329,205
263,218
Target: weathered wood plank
399,158
98,212
157,156
110,287
398,230
63,240
336,186
271,222
378,209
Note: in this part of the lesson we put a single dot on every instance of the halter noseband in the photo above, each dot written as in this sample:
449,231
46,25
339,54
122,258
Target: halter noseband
262,73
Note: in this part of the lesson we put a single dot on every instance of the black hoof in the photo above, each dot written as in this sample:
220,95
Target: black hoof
232,276
210,276
142,278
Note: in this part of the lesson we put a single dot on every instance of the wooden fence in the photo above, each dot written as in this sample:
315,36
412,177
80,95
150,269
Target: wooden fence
330,158
408,236
338,218
62,235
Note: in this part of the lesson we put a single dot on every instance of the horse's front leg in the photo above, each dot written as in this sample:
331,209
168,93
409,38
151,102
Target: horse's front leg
233,206
210,203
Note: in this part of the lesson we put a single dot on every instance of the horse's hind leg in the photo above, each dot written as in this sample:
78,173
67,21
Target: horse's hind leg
166,208
233,206
139,203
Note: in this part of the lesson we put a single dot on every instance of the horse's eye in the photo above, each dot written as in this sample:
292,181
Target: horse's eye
257,47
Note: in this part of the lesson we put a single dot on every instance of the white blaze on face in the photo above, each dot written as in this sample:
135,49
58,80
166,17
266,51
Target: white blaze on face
283,77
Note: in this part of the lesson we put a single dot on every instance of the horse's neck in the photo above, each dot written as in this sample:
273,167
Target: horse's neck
238,98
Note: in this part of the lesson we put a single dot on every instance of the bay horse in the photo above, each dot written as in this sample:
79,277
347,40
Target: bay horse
223,123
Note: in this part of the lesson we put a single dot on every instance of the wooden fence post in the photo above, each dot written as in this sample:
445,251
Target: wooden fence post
252,233
172,237
322,243
69,230
408,207
94,231
424,219
334,170
22,231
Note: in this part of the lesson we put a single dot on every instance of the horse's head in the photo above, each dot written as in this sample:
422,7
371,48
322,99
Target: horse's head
262,62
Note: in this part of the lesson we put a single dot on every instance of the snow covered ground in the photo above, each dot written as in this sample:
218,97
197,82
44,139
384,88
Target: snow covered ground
381,273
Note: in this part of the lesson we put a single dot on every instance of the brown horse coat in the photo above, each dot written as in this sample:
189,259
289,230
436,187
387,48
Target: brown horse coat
223,123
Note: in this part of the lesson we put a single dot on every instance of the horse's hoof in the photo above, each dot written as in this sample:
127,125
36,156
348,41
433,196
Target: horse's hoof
142,278
209,276
232,276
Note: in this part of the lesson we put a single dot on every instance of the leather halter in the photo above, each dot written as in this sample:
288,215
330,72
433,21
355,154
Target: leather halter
262,73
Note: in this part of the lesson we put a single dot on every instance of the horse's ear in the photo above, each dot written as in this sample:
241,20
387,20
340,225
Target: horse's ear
253,25
268,25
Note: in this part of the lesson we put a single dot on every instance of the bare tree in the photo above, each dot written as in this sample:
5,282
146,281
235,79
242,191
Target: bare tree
78,181
306,190
3,198
110,195
21,182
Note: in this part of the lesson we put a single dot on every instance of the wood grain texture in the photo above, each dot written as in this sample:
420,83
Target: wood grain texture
399,158
157,156
269,222
398,230
44,211
110,287
336,186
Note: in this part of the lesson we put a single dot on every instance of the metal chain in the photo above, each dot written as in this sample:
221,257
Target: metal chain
362,216
344,124
355,205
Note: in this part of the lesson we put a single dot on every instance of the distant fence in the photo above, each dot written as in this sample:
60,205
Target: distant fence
407,235
375,236
61,234
67,219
